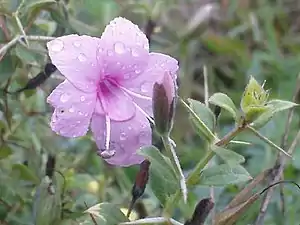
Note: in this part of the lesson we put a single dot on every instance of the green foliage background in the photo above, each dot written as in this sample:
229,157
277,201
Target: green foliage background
240,38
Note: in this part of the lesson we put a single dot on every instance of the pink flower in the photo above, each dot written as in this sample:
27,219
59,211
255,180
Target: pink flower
109,84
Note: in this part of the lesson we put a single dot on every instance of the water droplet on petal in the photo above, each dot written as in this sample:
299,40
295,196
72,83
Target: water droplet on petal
123,136
145,87
106,154
80,113
129,128
77,44
64,97
82,57
86,114
71,110
119,48
110,53
137,71
82,98
143,137
57,45
134,52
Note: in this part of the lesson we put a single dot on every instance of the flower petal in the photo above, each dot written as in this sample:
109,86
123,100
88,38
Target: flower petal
124,49
126,138
116,104
73,110
142,85
75,57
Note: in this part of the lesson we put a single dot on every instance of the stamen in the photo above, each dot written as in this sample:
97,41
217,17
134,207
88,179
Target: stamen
107,138
135,94
145,114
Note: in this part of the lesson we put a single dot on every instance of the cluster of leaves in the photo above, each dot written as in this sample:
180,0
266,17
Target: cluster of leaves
78,179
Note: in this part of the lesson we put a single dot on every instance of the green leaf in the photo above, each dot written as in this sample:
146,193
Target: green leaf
7,66
33,9
203,112
223,101
230,157
274,106
108,213
5,151
47,202
198,123
263,119
163,180
24,173
224,174
280,105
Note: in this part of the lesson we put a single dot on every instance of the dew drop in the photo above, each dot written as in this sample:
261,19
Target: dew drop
145,87
82,98
143,137
71,110
80,113
57,45
123,136
134,52
119,48
137,71
110,53
86,114
106,154
81,57
77,44
64,97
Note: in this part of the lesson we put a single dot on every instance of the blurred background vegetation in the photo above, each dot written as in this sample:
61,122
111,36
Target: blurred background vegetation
233,38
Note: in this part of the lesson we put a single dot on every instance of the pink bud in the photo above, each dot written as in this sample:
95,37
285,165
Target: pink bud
164,93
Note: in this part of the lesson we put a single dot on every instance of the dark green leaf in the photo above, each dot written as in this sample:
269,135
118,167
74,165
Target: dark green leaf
24,173
224,174
5,151
163,180
230,157
224,102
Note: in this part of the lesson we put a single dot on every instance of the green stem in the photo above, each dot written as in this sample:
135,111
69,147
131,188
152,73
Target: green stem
256,133
194,175
169,147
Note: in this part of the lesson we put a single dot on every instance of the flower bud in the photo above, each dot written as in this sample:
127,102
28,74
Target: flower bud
164,104
201,212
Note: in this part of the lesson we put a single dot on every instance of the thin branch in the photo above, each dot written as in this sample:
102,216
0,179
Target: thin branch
280,162
206,97
268,141
19,38
169,147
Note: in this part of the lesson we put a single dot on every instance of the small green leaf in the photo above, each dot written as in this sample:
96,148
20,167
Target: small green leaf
280,105
224,174
109,213
203,112
33,9
163,180
5,151
223,101
24,173
230,157
47,202
274,106
263,119
198,123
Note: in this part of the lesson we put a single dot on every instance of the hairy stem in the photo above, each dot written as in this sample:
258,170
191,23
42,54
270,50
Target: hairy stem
169,147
